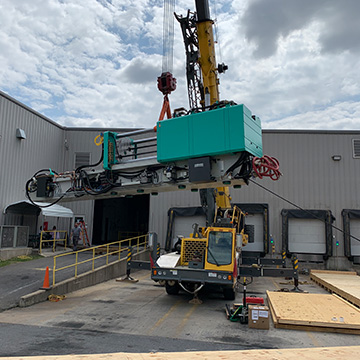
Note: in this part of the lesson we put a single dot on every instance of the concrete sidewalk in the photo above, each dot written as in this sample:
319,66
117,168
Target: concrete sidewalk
20,279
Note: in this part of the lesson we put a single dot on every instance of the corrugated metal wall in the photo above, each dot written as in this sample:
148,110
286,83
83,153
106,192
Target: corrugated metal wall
82,140
47,145
19,159
160,204
311,178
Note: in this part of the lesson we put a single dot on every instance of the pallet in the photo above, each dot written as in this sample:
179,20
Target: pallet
343,283
321,353
313,312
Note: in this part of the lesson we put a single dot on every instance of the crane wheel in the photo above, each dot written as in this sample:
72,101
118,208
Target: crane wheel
172,288
229,293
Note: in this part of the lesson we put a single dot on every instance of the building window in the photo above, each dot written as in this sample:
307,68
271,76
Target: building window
356,148
82,158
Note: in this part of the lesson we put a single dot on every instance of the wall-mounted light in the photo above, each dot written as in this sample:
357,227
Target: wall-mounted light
336,157
20,134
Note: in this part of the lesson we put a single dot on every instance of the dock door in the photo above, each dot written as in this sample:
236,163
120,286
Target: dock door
181,221
351,223
120,218
307,233
258,216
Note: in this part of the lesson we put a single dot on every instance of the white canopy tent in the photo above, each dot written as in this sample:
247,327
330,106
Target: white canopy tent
26,213
26,207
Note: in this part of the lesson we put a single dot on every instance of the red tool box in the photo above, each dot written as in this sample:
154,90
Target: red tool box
252,300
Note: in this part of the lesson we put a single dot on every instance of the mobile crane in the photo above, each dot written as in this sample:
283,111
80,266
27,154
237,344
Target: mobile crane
211,255
215,144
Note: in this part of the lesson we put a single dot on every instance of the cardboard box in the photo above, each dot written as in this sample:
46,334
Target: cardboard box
259,317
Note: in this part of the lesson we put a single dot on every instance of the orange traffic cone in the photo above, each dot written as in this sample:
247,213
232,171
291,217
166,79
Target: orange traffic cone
46,284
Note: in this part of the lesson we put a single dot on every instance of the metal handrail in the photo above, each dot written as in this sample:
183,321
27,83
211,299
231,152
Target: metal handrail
141,241
55,233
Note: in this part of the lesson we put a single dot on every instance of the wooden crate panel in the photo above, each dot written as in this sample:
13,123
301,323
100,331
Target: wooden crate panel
319,310
342,283
310,327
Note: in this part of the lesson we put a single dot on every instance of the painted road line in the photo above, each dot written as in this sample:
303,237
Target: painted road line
186,318
23,287
313,339
160,321
276,284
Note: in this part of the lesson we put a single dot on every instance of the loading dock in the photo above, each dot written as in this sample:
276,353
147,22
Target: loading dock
180,221
258,216
116,219
351,227
307,233
181,224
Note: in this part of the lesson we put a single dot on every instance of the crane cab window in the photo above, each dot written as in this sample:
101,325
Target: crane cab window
220,248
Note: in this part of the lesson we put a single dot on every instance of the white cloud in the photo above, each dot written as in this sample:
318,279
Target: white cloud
343,115
95,63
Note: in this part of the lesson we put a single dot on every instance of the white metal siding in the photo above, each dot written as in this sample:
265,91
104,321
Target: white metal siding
19,159
310,178
160,204
307,236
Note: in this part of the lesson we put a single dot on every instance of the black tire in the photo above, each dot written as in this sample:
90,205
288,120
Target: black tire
244,319
229,293
172,289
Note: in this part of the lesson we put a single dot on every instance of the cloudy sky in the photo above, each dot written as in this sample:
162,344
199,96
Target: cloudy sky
95,62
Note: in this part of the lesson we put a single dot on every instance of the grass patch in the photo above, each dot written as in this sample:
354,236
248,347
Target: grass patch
17,259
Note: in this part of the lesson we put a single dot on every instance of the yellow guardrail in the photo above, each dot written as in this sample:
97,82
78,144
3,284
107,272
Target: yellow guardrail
53,236
115,248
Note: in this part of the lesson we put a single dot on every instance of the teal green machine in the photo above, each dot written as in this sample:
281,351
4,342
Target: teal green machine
230,129
109,149
227,130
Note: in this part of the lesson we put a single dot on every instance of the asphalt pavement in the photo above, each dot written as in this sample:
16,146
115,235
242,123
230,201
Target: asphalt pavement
140,317
19,279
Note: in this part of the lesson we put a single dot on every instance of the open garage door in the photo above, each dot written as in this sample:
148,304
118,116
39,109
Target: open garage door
307,232
120,218
351,223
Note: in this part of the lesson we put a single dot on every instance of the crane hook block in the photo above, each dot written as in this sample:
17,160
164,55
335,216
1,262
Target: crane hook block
166,83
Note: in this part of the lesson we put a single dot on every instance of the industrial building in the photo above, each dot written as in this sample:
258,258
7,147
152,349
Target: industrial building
313,210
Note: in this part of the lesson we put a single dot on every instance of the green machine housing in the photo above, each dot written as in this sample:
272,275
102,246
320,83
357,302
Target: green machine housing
109,149
225,130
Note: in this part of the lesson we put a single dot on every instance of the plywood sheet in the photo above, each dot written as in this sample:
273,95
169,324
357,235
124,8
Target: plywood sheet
318,310
323,353
311,327
344,284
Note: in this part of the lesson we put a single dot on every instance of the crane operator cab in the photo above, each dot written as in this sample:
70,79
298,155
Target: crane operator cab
220,248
